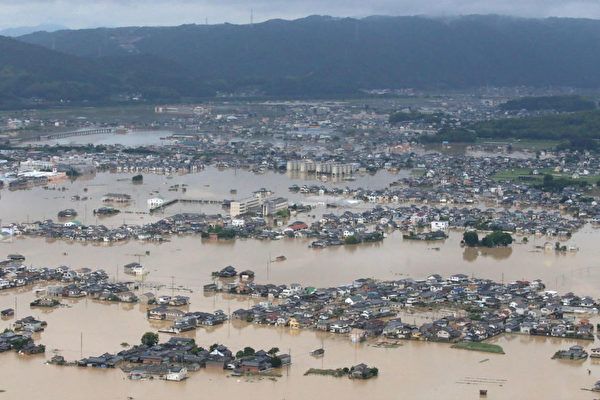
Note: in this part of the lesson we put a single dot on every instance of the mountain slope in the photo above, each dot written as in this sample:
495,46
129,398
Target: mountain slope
32,71
329,55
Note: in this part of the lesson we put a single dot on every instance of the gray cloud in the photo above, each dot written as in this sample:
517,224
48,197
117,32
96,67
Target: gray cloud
92,13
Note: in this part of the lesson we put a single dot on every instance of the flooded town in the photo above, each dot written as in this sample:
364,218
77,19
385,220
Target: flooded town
279,255
299,199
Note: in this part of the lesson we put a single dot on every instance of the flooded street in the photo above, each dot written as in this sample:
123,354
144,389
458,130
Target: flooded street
363,202
88,327
211,184
408,369
192,259
131,139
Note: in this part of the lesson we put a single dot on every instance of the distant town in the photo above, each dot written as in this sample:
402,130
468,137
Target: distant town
370,215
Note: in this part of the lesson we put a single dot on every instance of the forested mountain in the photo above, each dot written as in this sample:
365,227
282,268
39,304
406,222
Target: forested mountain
30,73
322,56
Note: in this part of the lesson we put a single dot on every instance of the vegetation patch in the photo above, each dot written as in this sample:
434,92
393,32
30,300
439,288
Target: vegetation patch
494,239
360,371
574,131
337,373
401,116
546,179
569,103
479,346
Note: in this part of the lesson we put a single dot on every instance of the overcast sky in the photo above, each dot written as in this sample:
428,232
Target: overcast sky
93,13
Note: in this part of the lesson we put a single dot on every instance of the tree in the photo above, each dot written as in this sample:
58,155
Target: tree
273,351
249,351
351,240
471,238
487,241
283,213
20,343
497,238
276,362
150,339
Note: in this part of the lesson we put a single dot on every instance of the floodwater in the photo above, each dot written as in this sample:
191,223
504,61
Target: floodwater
191,260
210,184
414,370
131,139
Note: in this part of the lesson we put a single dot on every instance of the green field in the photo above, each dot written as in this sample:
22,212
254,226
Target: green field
338,372
521,144
526,174
479,346
516,174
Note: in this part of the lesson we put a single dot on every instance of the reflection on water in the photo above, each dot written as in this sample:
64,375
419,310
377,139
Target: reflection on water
91,328
471,254
414,370
191,260
210,184
131,139
457,149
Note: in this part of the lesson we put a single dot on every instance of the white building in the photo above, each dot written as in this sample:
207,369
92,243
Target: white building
176,374
155,202
243,206
134,269
439,226
35,165
326,168
237,222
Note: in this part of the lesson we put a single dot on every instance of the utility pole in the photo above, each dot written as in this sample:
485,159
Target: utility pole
287,370
268,266
228,319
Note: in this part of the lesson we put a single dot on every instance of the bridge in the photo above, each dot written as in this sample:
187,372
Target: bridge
84,132
185,201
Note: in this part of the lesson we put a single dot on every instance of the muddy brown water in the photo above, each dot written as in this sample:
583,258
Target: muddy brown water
414,370
210,184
